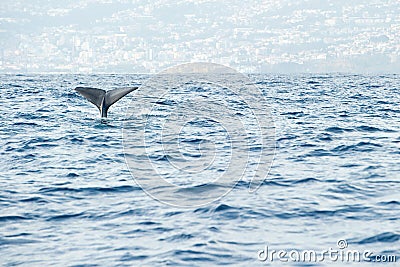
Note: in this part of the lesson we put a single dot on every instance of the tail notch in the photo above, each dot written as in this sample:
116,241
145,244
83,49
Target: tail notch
104,99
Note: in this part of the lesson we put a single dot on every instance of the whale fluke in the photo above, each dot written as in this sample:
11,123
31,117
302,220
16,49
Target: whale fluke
104,99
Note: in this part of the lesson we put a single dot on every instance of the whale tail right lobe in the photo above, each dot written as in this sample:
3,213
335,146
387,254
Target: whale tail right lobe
102,99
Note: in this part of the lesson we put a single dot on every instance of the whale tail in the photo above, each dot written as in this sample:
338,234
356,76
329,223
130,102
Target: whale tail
104,99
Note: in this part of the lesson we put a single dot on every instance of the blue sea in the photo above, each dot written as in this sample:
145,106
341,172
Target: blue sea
68,197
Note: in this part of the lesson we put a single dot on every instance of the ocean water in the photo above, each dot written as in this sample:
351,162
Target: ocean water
67,196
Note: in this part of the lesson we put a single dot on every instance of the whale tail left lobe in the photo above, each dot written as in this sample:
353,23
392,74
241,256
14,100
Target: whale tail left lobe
104,99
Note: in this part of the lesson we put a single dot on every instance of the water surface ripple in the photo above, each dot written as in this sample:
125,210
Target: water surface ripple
67,197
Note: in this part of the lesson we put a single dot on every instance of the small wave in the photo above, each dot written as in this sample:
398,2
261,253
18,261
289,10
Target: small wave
274,183
229,212
287,137
313,82
347,212
389,110
65,216
360,147
177,238
129,212
372,129
192,140
30,124
34,200
237,243
190,256
223,207
350,165
351,189
148,223
393,202
280,182
371,86
16,241
294,114
14,85
40,142
219,208
307,145
129,257
325,137
201,188
18,235
172,213
336,129
305,180
91,190
214,229
166,102
386,237
13,218
318,153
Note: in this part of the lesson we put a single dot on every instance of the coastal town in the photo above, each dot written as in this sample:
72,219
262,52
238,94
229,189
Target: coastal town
146,36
